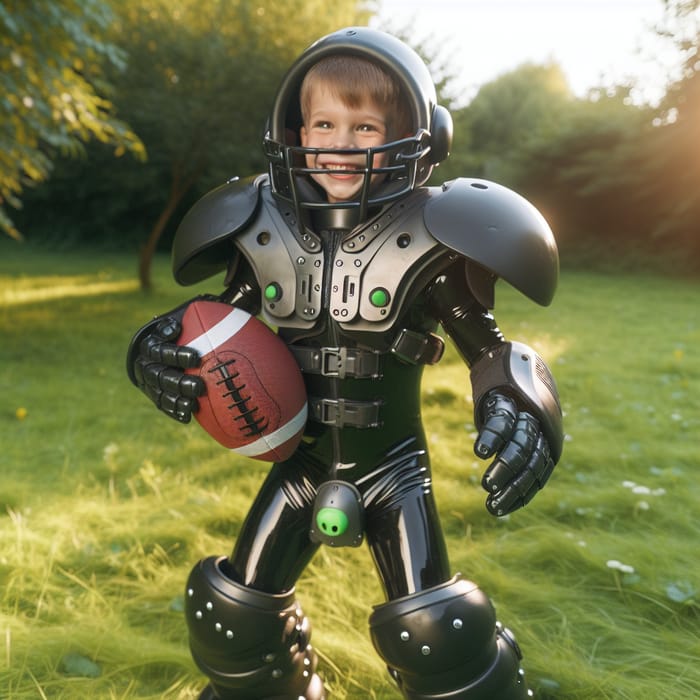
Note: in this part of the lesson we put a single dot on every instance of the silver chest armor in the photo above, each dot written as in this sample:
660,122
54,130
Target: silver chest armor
362,281
366,277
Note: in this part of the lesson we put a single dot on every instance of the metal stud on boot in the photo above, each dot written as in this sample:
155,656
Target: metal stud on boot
314,691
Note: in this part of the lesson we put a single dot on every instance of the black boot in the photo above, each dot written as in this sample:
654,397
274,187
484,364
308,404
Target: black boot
252,645
314,691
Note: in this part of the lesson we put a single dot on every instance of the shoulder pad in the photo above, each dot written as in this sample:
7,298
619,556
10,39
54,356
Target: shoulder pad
202,245
498,229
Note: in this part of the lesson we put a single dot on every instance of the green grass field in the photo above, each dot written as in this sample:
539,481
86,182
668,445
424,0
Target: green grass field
105,504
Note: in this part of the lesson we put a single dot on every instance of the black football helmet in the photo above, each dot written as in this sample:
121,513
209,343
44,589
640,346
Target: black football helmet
411,159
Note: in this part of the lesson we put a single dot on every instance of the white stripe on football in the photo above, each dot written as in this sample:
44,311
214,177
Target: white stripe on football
255,403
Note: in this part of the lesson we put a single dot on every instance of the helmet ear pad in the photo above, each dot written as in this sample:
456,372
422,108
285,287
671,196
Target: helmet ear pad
440,135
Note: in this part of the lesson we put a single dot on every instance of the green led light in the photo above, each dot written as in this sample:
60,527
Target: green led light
273,292
379,297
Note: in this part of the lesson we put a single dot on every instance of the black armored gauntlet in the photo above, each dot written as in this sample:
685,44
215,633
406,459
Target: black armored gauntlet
519,419
515,370
155,364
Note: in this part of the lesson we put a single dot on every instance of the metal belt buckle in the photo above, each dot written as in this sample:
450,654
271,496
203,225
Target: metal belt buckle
334,362
346,412
332,411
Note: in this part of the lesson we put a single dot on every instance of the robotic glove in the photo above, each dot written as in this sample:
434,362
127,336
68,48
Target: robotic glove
519,420
523,461
155,364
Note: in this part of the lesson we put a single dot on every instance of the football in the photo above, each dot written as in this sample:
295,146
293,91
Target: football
255,403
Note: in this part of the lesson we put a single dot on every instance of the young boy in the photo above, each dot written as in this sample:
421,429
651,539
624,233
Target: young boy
348,103
342,248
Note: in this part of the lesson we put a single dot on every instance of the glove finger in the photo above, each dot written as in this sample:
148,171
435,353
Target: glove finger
522,489
177,407
174,382
170,380
499,420
543,467
157,350
169,328
517,494
514,456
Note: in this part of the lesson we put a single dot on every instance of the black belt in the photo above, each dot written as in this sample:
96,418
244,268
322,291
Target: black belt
345,412
338,362
409,346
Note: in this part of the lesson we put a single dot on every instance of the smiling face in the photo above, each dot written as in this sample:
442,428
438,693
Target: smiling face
331,123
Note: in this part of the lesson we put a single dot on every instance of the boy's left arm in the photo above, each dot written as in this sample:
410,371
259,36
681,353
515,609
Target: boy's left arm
516,407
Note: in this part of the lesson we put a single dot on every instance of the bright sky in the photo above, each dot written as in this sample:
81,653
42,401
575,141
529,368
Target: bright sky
596,42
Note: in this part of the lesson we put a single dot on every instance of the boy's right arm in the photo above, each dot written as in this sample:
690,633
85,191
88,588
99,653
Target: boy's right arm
156,365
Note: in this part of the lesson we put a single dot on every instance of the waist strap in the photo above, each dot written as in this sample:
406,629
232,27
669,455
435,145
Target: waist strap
409,346
342,413
338,362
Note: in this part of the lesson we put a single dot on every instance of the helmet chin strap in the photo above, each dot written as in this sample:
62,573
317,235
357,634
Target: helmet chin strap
326,217
335,218
346,218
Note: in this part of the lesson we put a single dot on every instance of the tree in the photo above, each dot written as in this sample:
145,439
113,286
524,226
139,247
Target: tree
642,185
581,170
674,153
199,82
52,91
509,112
611,175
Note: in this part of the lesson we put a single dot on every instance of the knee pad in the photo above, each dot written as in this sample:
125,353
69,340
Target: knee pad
249,643
445,642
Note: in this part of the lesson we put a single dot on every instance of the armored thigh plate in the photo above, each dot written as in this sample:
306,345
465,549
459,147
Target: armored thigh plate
445,642
249,643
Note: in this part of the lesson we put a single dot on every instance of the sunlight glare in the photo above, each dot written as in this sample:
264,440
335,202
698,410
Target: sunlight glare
52,288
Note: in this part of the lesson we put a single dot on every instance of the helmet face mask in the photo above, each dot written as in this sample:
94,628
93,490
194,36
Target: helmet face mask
406,162
291,176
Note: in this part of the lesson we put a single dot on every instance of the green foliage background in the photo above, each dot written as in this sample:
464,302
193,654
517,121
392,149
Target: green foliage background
194,81
53,93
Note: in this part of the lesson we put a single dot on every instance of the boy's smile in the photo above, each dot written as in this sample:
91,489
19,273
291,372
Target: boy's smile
332,124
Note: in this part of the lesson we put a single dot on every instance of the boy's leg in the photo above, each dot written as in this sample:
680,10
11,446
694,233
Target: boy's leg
438,636
247,632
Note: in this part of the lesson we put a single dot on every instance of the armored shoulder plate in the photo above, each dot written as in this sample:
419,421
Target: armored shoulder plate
203,242
498,229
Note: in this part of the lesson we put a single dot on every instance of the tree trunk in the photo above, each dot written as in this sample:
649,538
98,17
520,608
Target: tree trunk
177,192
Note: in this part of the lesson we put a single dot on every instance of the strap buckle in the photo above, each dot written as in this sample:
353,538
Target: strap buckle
338,362
418,348
334,362
345,412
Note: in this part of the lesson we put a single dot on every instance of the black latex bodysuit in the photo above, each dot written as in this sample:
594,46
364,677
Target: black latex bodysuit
388,464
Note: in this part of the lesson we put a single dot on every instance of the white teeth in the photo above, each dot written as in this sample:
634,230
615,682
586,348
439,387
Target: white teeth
340,166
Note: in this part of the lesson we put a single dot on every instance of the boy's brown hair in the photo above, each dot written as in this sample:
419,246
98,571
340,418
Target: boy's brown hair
355,80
